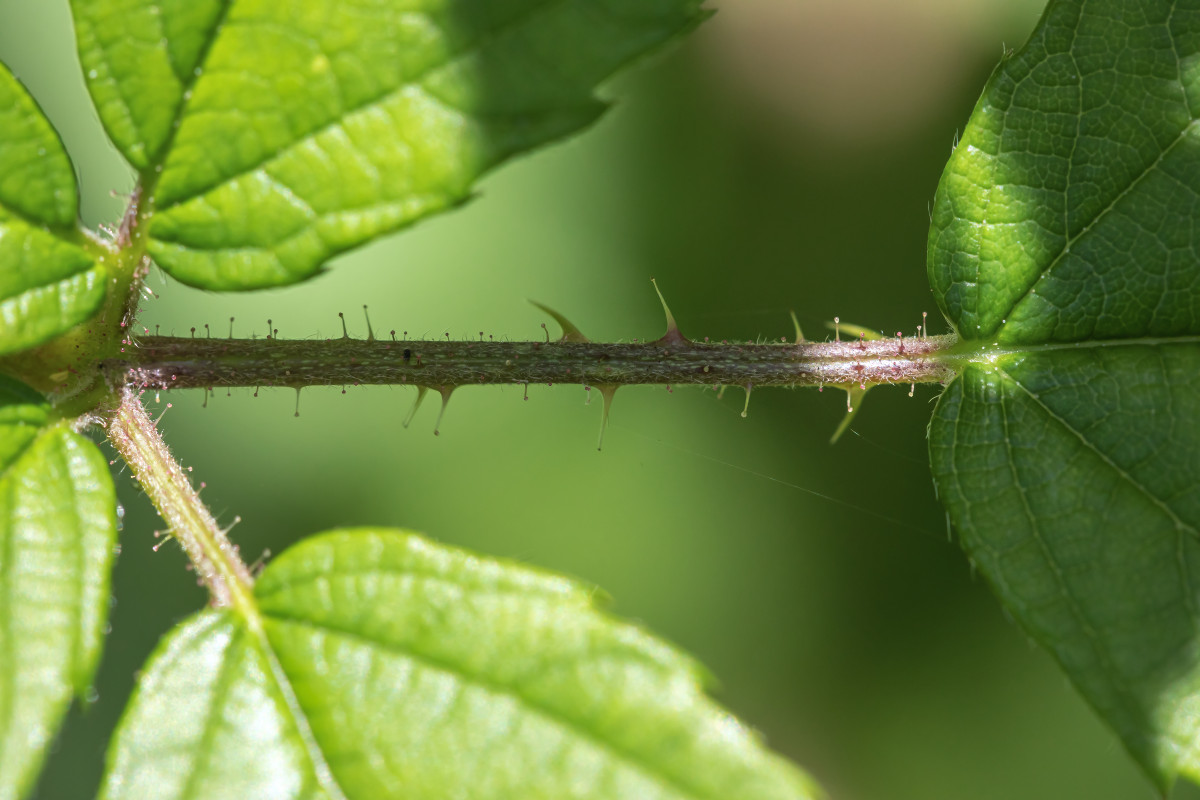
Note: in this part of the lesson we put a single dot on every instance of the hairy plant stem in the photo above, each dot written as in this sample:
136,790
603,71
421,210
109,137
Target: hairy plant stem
213,557
160,362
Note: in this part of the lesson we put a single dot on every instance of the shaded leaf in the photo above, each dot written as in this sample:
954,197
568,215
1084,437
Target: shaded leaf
387,666
57,532
1074,481
48,283
314,127
1064,247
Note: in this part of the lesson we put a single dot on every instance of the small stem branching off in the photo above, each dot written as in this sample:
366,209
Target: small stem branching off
214,558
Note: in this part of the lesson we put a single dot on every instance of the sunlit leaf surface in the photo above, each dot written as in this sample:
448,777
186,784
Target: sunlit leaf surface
57,532
48,282
1064,246
387,666
274,136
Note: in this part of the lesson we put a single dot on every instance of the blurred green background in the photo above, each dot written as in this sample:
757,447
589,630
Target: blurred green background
783,157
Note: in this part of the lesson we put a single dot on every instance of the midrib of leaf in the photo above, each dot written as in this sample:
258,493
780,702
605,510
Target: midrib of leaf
257,639
248,627
204,746
413,82
1085,230
7,705
1136,484
70,234
152,172
312,748
251,624
570,725
984,354
1103,656
71,496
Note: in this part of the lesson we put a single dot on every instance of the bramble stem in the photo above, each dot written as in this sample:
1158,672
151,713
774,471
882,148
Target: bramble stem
160,362
214,558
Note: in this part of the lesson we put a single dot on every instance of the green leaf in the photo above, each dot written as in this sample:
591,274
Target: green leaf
48,283
1064,250
140,59
57,533
1067,210
1074,480
386,666
309,128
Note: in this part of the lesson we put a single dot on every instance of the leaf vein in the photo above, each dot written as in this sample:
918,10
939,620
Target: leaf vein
1166,509
628,756
1100,216
413,82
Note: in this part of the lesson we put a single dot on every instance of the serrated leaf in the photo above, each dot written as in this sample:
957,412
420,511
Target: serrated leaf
1066,211
387,666
57,532
1064,247
1074,481
309,128
140,59
47,283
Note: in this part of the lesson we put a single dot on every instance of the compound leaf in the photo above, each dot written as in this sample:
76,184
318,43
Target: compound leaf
287,133
386,666
48,283
57,532
1064,250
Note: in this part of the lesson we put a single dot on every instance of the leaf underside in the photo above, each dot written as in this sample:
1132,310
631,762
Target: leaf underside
57,531
388,666
1064,248
273,136
48,283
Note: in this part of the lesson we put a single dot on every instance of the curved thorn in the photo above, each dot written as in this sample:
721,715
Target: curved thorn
672,336
796,322
854,398
570,332
370,330
445,391
749,387
607,391
421,392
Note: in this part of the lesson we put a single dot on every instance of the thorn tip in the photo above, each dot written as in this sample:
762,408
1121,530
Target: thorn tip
571,333
607,391
445,391
412,412
672,336
796,322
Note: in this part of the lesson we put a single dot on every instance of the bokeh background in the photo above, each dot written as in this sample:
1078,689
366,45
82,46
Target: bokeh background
783,157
